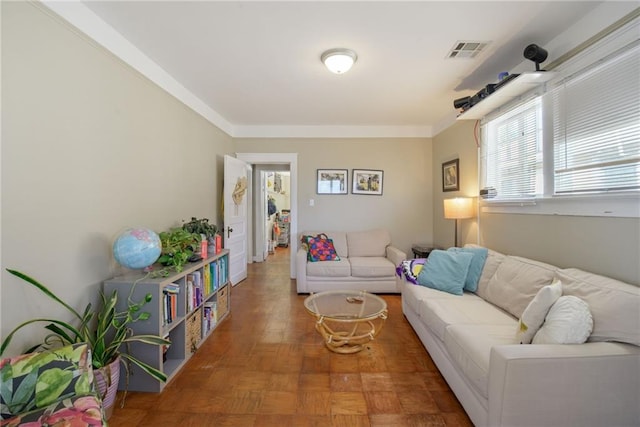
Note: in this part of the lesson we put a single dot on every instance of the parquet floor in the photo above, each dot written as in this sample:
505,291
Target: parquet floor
265,365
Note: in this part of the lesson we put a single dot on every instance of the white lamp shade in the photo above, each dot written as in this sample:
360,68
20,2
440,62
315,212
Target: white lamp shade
339,61
458,208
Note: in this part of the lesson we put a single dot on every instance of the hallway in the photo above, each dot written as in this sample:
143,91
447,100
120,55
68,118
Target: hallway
265,365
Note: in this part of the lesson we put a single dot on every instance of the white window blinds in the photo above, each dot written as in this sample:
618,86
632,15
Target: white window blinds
512,152
596,116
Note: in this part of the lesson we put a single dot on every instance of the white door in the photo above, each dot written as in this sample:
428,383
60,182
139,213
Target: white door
235,217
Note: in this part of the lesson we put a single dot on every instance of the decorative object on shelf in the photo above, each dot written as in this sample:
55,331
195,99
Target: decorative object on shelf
535,53
137,248
106,330
178,247
367,181
339,60
239,190
458,208
332,181
451,175
203,227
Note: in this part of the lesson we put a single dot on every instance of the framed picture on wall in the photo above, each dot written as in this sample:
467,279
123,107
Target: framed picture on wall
332,181
366,181
451,175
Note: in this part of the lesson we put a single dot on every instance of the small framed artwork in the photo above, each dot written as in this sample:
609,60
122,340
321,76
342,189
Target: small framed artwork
451,175
333,181
366,181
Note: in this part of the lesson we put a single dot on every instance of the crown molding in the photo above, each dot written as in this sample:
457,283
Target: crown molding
87,22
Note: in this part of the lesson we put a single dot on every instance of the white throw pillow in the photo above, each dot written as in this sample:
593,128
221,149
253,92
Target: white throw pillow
533,316
569,322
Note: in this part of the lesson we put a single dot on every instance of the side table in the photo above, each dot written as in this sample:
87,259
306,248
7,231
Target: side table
420,251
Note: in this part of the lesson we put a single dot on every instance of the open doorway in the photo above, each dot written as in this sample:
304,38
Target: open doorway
272,222
275,162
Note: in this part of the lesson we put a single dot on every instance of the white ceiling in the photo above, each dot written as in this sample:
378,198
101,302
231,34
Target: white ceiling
257,64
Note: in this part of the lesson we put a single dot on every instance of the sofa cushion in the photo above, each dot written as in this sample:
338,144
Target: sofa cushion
368,243
414,295
469,346
438,313
516,282
533,316
475,268
335,268
569,321
445,271
371,266
613,304
491,264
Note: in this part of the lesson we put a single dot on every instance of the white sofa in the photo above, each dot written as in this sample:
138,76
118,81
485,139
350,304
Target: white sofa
367,262
499,382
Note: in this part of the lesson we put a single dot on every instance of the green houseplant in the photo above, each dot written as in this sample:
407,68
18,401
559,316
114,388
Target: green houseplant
106,330
202,227
178,246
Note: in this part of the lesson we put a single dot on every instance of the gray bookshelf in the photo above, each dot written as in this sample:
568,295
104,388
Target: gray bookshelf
189,318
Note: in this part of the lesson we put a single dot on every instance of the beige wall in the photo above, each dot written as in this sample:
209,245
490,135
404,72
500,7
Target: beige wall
607,246
89,147
405,205
456,142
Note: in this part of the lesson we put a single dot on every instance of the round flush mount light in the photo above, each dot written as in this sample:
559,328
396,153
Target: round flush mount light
339,60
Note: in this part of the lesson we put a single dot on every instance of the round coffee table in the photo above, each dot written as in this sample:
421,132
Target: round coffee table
347,319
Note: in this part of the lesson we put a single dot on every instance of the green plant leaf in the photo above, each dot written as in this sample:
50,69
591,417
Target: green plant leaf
9,337
155,373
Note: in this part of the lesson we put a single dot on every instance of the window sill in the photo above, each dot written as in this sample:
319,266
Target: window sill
621,205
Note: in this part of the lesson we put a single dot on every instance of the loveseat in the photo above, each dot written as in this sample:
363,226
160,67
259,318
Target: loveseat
365,260
50,388
475,341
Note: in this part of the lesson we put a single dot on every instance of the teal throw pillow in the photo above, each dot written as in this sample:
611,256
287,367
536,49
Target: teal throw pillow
445,271
475,268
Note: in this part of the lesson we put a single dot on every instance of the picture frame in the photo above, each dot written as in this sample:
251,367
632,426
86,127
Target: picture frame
367,181
451,175
332,181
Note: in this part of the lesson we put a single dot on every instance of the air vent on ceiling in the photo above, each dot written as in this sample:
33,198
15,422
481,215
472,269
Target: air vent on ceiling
466,49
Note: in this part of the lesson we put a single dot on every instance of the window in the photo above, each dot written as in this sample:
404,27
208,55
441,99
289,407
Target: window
512,154
582,137
596,133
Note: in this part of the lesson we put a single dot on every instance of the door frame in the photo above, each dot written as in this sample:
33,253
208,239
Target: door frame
290,159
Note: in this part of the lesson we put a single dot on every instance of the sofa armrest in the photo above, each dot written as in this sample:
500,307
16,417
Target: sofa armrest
301,271
587,384
395,255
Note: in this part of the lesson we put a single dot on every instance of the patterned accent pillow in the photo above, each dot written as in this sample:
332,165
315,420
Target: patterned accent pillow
411,268
321,249
37,380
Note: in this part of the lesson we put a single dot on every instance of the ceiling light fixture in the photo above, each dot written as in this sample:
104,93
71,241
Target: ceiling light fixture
339,60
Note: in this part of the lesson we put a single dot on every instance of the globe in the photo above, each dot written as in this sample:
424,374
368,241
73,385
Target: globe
137,248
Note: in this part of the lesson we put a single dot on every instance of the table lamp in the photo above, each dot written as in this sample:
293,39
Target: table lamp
458,208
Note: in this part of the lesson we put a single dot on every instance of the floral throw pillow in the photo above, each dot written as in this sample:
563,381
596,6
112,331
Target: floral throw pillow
411,269
321,249
37,380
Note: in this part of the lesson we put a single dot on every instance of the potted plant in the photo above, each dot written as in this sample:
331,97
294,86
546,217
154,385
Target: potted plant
178,247
106,330
203,227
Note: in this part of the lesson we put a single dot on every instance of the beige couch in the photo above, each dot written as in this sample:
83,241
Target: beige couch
472,340
367,262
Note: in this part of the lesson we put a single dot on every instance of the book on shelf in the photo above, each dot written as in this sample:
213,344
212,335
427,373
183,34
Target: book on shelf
170,302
